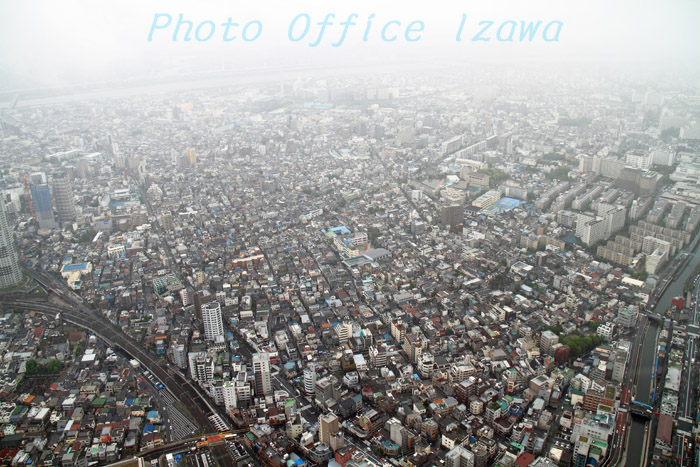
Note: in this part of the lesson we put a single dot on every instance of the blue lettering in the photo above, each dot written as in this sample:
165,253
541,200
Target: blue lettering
477,37
211,30
386,39
257,34
307,18
461,27
528,30
420,26
155,25
369,25
555,38
509,38
227,25
180,22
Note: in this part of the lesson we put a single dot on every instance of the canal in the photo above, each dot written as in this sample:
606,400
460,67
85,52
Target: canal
648,354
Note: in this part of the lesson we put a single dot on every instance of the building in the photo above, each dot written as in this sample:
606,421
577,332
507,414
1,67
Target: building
10,272
459,457
43,208
63,197
167,221
547,341
452,215
487,199
179,355
310,380
261,372
329,425
590,230
191,155
687,172
639,162
201,366
213,324
627,316
229,393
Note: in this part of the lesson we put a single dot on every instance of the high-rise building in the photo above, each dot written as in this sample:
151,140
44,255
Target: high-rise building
328,427
310,380
43,208
261,372
200,298
213,324
168,221
180,355
10,273
201,366
452,215
191,154
63,197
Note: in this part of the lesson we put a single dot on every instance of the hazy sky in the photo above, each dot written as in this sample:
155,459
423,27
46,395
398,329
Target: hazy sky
71,42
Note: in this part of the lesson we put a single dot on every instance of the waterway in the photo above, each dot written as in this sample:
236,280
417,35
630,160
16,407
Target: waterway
648,354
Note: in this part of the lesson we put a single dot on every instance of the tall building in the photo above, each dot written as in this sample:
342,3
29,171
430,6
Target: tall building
201,366
168,221
328,427
213,324
200,298
261,372
179,355
191,154
452,215
310,380
63,197
43,208
10,273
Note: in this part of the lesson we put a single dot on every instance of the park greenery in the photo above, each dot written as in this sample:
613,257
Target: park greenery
33,368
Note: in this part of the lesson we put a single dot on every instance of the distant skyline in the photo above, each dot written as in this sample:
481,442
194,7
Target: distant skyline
69,42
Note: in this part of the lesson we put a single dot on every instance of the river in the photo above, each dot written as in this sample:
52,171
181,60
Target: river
646,367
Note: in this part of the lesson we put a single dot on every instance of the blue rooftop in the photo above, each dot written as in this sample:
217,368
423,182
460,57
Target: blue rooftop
75,267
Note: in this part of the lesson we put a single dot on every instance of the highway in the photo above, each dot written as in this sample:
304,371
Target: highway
76,313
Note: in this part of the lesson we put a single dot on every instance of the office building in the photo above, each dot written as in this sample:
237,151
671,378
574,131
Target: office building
191,155
213,324
43,208
167,221
63,197
261,372
310,380
328,427
201,367
10,273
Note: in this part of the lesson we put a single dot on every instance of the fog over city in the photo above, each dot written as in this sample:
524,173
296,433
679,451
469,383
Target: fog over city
349,234
77,42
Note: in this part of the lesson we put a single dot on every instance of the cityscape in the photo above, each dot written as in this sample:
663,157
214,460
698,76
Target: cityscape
427,268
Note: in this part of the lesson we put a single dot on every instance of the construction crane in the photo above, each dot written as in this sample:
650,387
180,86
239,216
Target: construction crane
31,202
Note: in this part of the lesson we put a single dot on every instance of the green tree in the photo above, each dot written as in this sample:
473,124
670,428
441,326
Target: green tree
560,173
54,366
31,367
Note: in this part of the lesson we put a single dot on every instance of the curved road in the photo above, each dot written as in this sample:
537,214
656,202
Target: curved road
181,389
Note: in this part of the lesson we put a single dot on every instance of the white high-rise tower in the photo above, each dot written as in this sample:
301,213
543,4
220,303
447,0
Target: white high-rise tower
10,273
213,324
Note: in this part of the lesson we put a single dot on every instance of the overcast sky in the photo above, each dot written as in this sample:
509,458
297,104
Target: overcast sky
62,42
